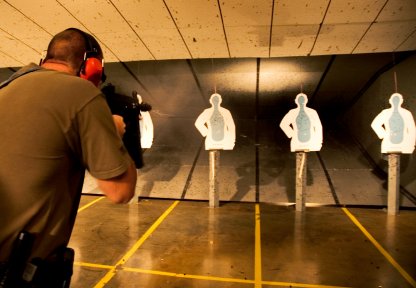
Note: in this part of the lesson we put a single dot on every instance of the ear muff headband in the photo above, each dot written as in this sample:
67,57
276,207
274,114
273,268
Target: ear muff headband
92,68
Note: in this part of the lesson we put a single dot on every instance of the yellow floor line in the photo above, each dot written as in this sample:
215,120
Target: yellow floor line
299,285
257,250
206,278
89,204
110,274
380,248
224,279
189,276
93,265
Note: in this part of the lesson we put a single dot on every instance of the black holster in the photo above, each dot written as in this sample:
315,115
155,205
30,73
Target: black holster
53,272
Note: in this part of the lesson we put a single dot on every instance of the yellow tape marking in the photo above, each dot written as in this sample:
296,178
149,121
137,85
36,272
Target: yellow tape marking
207,278
110,274
380,248
257,250
89,204
93,265
299,285
188,276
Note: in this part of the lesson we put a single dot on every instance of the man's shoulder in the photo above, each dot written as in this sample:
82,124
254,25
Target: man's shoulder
62,88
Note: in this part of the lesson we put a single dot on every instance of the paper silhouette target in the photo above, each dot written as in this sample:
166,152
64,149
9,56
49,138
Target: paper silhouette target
303,126
217,126
396,127
146,127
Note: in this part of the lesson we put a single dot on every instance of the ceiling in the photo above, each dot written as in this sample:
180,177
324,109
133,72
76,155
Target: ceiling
258,54
193,29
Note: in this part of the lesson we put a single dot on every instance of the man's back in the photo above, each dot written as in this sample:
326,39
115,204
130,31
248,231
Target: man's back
42,158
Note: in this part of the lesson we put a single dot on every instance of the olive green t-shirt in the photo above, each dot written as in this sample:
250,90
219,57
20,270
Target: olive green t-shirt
53,126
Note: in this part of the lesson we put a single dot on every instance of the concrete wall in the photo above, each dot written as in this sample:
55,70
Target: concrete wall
359,117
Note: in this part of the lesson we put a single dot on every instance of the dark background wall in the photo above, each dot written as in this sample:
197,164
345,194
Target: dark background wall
373,101
347,91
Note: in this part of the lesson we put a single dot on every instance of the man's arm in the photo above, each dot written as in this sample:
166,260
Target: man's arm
120,189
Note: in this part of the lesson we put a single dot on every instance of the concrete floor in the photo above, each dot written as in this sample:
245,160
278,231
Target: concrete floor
256,238
172,243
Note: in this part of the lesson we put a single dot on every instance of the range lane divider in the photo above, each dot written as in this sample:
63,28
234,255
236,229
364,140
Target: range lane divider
381,249
110,274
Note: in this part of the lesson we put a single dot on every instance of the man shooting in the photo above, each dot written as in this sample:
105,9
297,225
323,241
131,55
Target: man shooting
54,125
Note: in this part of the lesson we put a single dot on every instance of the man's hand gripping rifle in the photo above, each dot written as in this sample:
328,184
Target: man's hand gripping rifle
129,108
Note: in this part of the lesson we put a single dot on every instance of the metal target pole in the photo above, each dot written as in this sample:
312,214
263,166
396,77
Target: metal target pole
300,180
214,162
393,193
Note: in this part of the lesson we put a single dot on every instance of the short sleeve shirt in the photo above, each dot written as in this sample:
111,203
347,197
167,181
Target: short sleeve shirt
53,126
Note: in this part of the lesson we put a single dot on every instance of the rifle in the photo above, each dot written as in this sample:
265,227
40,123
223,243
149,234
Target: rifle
129,108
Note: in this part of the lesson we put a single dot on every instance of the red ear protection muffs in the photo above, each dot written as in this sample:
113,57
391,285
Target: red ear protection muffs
92,68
